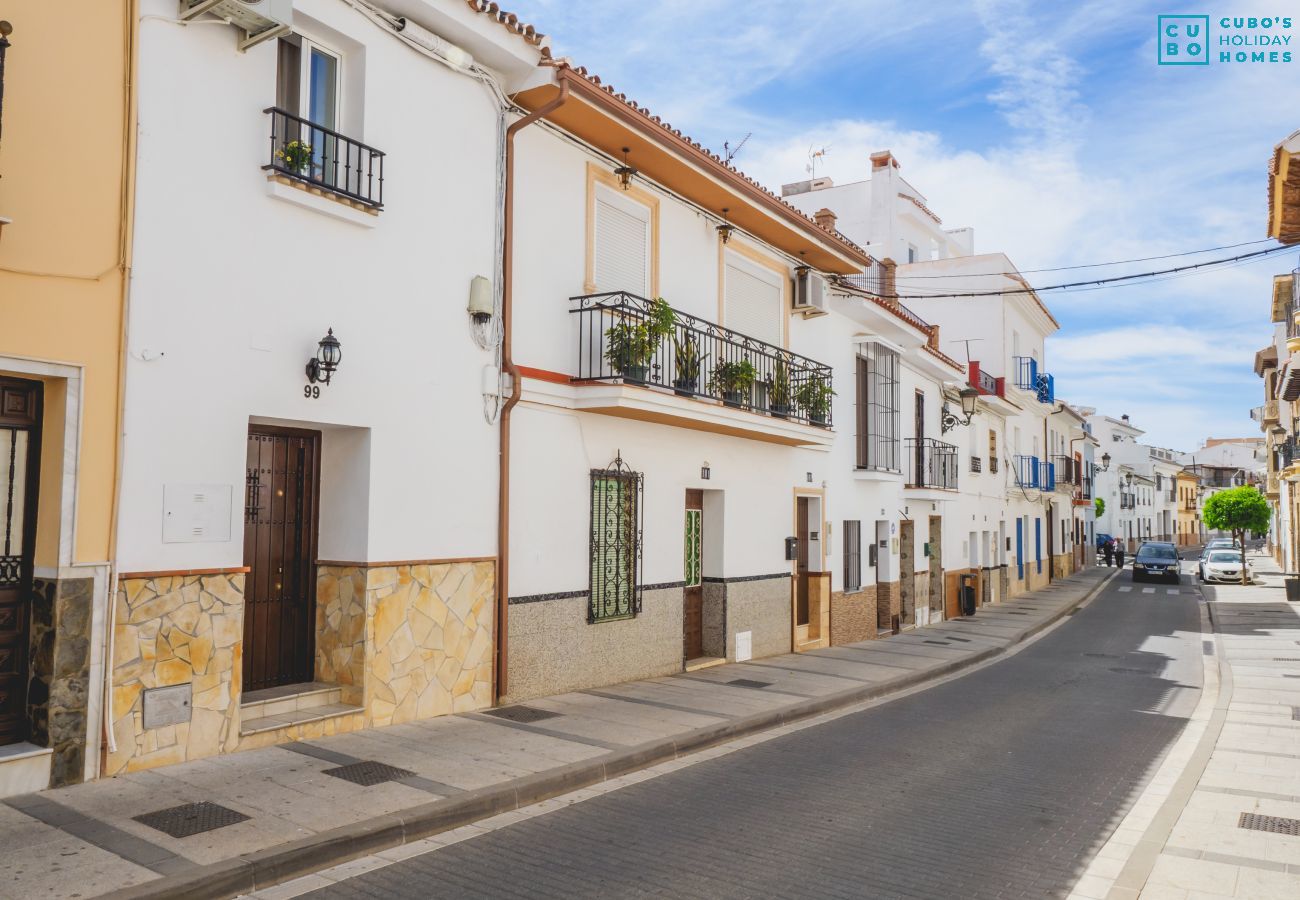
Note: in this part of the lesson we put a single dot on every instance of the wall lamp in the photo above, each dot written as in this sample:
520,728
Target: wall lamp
705,472
726,228
1105,462
328,356
948,420
625,172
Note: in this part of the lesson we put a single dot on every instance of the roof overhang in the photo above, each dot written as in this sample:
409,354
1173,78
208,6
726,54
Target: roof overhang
1282,293
1284,191
1265,359
608,122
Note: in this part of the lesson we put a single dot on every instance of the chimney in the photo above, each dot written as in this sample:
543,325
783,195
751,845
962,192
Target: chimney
825,218
1124,418
883,158
888,284
934,337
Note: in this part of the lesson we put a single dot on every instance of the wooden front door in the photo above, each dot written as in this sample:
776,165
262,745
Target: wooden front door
801,564
918,418
20,439
693,593
280,516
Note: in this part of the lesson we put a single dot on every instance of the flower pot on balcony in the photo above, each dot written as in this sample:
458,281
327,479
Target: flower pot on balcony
734,398
686,387
635,373
817,418
781,411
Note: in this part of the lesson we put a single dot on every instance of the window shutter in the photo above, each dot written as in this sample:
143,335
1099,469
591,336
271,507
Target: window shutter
622,247
753,305
288,73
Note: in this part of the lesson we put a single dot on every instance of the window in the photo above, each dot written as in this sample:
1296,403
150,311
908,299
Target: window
852,556
691,561
993,450
911,253
615,591
622,244
753,299
878,408
307,84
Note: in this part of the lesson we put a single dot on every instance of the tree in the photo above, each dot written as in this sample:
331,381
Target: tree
1238,510
1100,504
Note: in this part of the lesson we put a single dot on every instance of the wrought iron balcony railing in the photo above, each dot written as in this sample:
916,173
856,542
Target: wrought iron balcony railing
619,340
931,464
984,382
1047,475
1128,501
1029,378
1067,471
976,464
1084,491
319,156
1029,471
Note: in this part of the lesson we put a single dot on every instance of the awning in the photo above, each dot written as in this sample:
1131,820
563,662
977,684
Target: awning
1289,381
1265,359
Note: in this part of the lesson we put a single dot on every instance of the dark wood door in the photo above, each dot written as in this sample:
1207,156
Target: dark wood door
922,476
801,562
280,517
20,439
693,593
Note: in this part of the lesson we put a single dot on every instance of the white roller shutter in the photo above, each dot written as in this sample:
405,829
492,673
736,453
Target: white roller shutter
753,302
622,245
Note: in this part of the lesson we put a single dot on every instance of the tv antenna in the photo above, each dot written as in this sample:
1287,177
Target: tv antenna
729,153
967,342
813,157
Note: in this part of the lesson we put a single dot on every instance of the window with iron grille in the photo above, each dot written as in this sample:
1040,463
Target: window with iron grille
615,591
878,408
852,556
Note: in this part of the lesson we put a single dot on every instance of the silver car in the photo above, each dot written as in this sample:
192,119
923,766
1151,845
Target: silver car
1223,565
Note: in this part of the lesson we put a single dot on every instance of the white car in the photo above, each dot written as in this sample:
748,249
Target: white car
1224,565
1219,544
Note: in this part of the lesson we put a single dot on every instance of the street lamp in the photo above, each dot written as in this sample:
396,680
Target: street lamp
1105,462
948,420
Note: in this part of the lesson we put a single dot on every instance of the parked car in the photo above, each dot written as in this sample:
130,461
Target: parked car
1223,564
1220,544
1102,541
1156,559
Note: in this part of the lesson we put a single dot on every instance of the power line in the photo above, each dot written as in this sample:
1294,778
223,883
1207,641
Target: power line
1118,262
1094,282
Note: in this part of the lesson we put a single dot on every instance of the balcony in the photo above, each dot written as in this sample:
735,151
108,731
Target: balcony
319,158
930,464
662,364
1083,492
1127,501
1266,415
1189,503
1029,378
1029,471
986,384
1067,473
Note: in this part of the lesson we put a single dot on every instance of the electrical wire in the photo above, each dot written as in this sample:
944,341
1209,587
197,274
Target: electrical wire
1113,280
1118,262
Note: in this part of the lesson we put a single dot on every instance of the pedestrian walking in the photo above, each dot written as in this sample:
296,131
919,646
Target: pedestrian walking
1108,551
1119,555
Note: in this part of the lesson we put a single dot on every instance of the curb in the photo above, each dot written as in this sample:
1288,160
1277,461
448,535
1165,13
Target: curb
264,868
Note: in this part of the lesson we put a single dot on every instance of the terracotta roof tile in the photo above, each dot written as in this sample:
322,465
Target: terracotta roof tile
510,21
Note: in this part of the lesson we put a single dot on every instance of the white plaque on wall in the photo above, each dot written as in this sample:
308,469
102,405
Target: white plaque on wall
196,513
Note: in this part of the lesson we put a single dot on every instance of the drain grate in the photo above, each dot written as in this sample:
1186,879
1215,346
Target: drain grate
1286,659
523,714
1125,670
749,683
940,643
1295,713
1012,612
1271,824
191,819
962,640
1103,655
369,773
1288,675
1207,647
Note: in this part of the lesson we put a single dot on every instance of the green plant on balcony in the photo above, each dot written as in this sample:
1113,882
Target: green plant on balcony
296,156
687,360
779,395
630,344
814,395
732,380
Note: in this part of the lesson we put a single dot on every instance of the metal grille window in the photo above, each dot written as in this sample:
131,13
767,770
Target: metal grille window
615,591
852,556
691,565
878,408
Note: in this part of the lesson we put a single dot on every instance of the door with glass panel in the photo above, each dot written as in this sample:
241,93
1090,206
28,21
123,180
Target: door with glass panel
20,438
693,592
307,87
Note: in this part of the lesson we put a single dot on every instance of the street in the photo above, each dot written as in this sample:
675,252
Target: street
1000,783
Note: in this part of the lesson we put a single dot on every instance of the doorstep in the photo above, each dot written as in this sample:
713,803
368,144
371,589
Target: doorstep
294,704
24,768
703,662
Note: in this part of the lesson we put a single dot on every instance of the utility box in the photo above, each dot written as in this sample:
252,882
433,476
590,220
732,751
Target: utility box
967,595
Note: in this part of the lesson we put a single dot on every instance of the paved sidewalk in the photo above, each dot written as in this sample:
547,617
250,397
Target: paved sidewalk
1196,833
301,816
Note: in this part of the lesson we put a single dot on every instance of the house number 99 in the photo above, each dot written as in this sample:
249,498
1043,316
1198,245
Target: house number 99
311,391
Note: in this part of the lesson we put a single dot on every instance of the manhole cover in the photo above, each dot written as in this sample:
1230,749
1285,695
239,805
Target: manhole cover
1123,670
1271,824
521,713
1012,612
962,640
368,773
1295,713
940,643
1286,659
749,683
1103,655
190,819
1207,647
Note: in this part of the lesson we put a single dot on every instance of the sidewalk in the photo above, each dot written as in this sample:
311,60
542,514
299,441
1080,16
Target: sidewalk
284,811
1221,819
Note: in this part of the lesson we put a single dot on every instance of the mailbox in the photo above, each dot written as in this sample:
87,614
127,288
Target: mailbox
792,548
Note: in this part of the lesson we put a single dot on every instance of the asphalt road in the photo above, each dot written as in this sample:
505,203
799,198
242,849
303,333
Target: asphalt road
1000,783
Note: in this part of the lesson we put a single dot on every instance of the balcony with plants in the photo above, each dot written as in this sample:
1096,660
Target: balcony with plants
323,160
697,373
1031,379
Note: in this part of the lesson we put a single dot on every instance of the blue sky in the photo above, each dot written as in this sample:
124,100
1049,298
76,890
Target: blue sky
1048,127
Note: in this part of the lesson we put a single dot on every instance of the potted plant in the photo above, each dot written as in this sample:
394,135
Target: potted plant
814,395
296,157
687,360
630,345
778,390
732,381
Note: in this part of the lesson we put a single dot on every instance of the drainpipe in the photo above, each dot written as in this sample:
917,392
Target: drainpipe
500,621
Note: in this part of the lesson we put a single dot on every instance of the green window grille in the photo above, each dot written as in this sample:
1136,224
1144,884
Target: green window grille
691,562
615,591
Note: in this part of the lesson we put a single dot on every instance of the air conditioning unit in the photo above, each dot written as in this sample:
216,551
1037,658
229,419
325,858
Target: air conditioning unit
259,20
809,293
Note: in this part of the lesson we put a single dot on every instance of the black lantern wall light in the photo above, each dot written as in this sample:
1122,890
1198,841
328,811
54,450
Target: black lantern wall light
625,172
726,228
328,356
948,420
